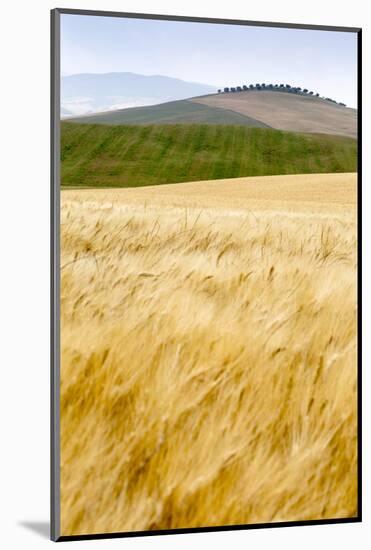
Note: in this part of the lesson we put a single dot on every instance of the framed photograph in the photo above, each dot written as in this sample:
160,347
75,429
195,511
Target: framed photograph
206,249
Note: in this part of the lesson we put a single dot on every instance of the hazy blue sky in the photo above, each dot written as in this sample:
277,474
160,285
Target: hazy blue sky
220,55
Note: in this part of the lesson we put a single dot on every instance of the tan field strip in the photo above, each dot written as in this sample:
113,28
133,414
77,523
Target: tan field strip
285,111
208,353
304,192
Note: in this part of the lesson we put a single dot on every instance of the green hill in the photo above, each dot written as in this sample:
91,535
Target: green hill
172,112
96,155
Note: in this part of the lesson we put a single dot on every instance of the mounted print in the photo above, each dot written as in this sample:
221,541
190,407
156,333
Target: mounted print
205,241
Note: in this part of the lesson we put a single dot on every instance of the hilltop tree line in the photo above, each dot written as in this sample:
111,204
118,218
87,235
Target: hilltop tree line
276,88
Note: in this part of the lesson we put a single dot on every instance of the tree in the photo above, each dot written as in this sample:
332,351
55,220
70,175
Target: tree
317,95
310,93
226,90
305,91
219,91
233,89
244,87
288,86
251,86
281,86
298,89
239,89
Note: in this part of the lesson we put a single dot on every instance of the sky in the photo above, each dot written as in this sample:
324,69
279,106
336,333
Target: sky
215,54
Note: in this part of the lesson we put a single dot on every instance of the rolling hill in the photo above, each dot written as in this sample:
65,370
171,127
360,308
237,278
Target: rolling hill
172,112
284,111
278,110
96,155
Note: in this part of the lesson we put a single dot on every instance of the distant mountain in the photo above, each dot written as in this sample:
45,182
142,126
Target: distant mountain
89,93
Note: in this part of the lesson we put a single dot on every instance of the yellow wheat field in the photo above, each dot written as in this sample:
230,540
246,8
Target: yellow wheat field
208,335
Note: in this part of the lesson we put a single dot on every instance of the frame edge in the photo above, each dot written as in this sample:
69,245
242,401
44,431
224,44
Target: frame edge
55,275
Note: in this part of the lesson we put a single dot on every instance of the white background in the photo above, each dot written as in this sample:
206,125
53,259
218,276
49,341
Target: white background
24,271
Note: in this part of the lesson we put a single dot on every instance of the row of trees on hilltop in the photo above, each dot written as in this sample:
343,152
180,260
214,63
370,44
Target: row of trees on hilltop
276,88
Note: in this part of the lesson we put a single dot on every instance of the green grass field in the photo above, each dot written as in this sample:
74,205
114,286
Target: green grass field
96,155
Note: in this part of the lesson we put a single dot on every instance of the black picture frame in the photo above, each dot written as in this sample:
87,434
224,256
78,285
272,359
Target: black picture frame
55,275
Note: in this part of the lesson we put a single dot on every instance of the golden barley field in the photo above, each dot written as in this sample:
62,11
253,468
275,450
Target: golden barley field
208,340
